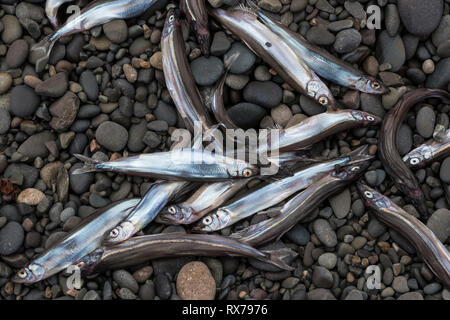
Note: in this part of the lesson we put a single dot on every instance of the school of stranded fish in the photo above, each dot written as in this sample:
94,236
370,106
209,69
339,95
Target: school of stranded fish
105,240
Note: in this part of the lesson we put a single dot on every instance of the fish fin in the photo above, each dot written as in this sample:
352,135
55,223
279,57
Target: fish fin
230,60
276,257
89,164
291,158
273,212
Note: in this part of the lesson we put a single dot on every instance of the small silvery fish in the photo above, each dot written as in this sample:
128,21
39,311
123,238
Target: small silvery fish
428,152
431,249
300,206
140,249
319,127
180,164
322,62
275,192
81,241
401,174
275,51
95,14
147,209
209,197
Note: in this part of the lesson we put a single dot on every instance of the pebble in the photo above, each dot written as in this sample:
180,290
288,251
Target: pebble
80,183
425,122
24,101
116,31
112,136
246,115
17,53
54,87
125,280
206,71
347,41
244,61
320,36
328,260
35,146
410,296
325,233
5,121
341,203
298,235
162,286
441,76
5,82
404,139
220,44
320,294
11,238
266,94
420,18
195,282
391,50
439,223
30,196
64,111
400,284
89,84
13,31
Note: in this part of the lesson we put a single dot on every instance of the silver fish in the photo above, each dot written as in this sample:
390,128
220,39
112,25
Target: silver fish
275,51
81,241
323,63
430,151
275,192
147,209
95,14
433,252
209,197
180,164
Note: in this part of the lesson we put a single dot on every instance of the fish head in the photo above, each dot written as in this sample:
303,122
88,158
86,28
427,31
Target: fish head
172,23
318,91
352,172
372,198
371,85
417,158
30,274
365,118
177,213
122,232
247,170
204,39
210,222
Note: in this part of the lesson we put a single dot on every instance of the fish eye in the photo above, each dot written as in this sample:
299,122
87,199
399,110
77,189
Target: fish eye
323,101
247,173
368,194
22,274
268,44
207,221
171,18
114,233
370,118
375,85
172,210
414,161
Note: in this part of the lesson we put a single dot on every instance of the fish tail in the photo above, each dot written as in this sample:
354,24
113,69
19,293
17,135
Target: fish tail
89,164
229,61
44,47
276,257
360,154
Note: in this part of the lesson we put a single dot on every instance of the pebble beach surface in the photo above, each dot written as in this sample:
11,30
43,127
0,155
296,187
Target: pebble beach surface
103,91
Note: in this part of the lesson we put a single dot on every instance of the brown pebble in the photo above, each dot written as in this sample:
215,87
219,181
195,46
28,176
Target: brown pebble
156,60
32,81
143,274
31,196
195,282
384,246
